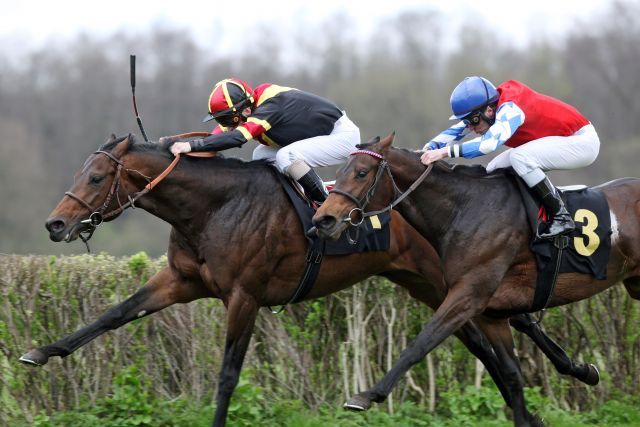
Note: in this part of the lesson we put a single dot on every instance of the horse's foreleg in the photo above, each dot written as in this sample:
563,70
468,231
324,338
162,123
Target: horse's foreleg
241,317
478,344
460,305
585,372
470,335
499,333
162,290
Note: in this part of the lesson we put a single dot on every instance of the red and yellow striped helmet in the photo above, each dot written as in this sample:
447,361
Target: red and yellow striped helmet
229,97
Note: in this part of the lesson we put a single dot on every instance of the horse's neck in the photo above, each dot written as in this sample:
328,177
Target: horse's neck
436,202
437,190
189,195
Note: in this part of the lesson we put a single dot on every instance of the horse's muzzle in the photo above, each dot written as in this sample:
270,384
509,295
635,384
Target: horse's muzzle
56,228
328,227
60,230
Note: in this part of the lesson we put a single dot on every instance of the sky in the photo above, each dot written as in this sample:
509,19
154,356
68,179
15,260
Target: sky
24,24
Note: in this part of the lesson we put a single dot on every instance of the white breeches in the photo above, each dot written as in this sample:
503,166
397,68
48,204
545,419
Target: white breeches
531,159
324,150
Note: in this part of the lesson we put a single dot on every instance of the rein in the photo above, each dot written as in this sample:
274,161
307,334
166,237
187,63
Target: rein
362,203
97,216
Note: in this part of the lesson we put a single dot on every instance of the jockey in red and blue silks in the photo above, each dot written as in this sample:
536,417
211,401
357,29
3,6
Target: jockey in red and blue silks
297,130
543,134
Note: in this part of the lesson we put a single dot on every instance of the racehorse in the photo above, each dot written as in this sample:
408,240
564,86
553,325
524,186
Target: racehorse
478,226
244,246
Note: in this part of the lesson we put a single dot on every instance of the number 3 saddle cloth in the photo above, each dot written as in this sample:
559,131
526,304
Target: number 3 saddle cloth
589,244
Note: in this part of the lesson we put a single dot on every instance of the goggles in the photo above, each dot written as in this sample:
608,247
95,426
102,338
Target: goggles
473,119
228,120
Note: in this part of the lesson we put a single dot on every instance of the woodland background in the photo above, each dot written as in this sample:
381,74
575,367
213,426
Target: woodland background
58,103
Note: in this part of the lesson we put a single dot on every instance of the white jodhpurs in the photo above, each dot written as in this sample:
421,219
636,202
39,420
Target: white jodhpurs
531,159
324,150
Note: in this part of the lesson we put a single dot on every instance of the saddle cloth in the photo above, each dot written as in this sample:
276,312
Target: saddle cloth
589,244
373,235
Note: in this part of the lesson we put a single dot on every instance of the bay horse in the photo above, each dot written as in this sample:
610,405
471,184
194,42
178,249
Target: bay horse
235,236
478,226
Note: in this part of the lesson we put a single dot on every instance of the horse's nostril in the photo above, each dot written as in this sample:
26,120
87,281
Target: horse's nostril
55,225
325,221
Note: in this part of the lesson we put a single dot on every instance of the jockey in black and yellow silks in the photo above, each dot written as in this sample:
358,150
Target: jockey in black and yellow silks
297,130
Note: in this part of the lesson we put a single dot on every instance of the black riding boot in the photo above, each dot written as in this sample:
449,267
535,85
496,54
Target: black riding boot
562,222
313,186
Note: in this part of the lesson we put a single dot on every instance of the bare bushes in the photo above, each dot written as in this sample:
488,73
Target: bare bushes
319,352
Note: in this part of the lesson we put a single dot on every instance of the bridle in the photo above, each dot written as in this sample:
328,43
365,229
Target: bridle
98,216
361,203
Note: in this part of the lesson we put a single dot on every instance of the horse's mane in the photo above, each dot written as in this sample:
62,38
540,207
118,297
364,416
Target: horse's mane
162,149
472,171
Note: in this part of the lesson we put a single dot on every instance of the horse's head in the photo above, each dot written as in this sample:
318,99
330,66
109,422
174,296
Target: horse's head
95,195
366,173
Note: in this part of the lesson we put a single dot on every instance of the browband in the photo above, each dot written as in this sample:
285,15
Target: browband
369,152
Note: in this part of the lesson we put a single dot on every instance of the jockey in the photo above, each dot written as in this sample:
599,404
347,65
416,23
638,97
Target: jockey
543,134
297,130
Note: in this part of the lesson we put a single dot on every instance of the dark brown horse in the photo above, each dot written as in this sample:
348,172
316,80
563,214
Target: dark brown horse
478,226
235,236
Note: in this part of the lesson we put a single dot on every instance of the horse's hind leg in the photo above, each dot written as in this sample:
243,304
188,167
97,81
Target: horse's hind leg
585,372
162,290
242,311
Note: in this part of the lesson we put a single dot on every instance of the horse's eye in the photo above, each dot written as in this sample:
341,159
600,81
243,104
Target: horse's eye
362,173
96,179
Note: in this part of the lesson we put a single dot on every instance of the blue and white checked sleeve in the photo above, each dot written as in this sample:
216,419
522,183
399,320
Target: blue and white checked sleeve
508,118
453,134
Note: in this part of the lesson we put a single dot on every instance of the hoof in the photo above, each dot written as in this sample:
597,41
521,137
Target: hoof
35,358
536,421
593,376
358,403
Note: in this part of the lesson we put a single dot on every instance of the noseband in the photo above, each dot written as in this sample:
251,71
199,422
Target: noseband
362,203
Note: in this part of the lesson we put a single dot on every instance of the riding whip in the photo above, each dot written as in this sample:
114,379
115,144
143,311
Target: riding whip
133,92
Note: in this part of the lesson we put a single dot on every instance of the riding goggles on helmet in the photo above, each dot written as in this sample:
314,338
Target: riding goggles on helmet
228,120
473,119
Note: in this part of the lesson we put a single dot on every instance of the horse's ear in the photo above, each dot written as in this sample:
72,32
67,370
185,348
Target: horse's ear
122,147
386,143
391,137
372,141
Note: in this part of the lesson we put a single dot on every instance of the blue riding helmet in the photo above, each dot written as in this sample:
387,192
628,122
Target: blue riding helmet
471,94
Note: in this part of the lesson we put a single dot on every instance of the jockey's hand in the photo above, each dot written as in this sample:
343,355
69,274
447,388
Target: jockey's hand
180,147
431,156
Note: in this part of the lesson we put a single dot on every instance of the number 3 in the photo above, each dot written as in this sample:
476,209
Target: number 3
590,221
